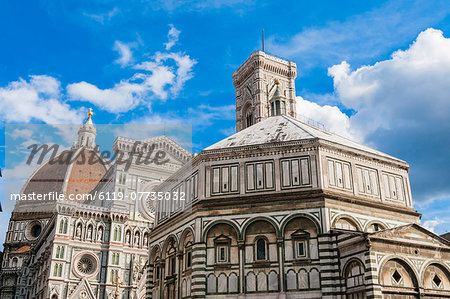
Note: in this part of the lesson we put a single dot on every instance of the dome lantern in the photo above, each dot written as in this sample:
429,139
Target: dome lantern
87,133
278,101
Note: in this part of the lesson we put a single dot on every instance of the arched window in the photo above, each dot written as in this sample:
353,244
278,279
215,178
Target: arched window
397,274
436,277
354,280
188,255
249,120
247,115
14,263
114,275
375,227
60,252
261,249
57,270
157,273
116,234
347,224
61,226
171,261
115,259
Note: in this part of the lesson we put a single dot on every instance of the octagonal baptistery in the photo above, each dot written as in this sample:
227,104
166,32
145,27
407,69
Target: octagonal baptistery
263,211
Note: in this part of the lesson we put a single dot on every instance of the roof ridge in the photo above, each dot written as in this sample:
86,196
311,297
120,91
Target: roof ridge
291,118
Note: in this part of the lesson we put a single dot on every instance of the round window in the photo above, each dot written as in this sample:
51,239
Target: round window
86,264
33,230
36,230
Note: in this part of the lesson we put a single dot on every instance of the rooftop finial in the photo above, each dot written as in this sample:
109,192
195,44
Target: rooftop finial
277,82
90,113
263,40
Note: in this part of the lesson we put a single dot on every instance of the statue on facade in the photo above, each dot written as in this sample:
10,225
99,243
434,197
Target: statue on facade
89,234
128,237
136,239
100,234
78,231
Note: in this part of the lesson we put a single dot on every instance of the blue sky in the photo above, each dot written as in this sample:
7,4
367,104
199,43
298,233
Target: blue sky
376,71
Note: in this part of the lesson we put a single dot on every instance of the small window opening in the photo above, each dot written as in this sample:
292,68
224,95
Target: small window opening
261,249
437,281
396,276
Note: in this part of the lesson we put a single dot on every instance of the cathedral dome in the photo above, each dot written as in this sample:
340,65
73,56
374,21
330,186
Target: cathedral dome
72,172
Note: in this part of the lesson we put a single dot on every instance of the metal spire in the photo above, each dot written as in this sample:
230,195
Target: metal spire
263,40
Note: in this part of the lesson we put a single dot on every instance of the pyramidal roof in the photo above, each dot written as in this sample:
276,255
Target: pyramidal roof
284,128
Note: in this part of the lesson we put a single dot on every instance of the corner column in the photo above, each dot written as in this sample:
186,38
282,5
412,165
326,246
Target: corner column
241,246
198,270
373,288
280,245
180,270
149,284
331,283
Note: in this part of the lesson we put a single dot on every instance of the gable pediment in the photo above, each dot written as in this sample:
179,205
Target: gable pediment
300,233
82,290
411,233
222,239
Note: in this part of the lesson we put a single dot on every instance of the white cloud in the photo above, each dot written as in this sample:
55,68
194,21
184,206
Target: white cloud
22,133
331,117
160,77
125,54
201,116
21,171
68,133
165,75
124,96
410,89
403,107
103,17
359,37
431,224
37,99
172,37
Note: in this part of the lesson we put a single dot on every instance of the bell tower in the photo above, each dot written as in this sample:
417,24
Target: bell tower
256,82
